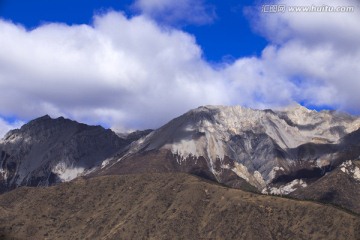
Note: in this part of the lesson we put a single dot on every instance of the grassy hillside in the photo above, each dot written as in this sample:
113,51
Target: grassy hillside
164,206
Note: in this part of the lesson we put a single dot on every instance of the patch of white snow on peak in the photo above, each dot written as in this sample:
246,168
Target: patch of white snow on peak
66,173
348,167
285,189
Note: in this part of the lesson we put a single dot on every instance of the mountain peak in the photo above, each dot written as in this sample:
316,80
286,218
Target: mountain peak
258,142
45,122
46,150
45,117
40,119
296,107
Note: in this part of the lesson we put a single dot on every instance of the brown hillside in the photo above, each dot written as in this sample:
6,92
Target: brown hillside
164,206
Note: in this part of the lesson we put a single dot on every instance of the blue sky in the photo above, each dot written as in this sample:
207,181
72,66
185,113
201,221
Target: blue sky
227,37
137,64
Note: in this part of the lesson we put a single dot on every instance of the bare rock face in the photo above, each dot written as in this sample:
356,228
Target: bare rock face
46,151
276,152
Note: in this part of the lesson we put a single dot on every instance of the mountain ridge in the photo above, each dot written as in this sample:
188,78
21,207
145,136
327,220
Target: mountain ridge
46,151
259,142
273,151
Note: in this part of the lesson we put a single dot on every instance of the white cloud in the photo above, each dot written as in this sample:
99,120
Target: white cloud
177,12
312,28
317,52
119,71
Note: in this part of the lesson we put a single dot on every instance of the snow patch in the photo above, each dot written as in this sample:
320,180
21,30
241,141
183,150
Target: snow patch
286,189
105,163
348,167
185,148
208,146
66,173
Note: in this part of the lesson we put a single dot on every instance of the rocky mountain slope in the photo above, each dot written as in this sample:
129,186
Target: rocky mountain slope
46,151
164,206
274,151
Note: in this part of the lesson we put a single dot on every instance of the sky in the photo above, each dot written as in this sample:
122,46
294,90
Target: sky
136,64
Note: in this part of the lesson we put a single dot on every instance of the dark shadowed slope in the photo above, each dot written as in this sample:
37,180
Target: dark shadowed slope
340,187
45,151
164,206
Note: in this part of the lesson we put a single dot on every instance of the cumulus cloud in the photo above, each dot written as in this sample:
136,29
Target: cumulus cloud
171,12
318,52
118,71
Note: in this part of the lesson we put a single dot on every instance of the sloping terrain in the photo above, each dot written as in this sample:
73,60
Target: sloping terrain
340,187
164,206
163,161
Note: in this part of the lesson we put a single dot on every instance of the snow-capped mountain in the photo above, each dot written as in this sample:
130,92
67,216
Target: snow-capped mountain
275,151
45,151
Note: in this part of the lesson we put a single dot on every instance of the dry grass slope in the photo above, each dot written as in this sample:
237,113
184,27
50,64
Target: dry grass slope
164,206
336,187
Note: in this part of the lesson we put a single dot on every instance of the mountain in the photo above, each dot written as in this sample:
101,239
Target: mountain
173,182
164,206
293,151
46,151
275,152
